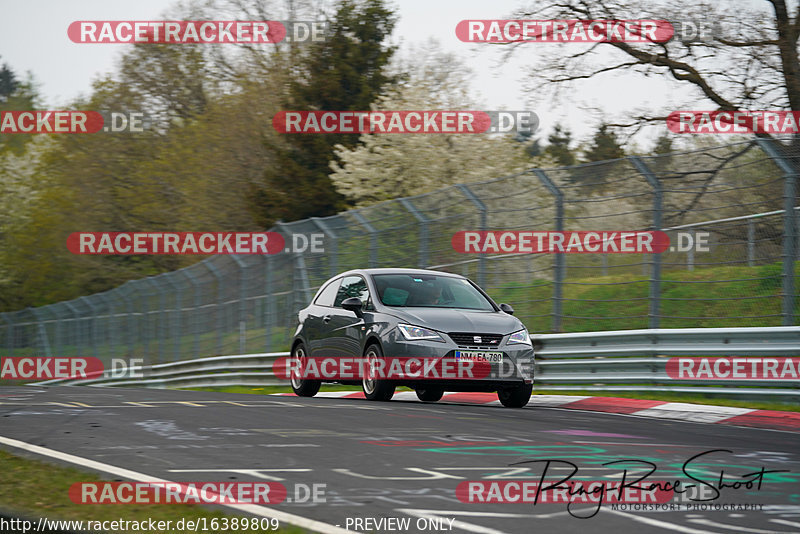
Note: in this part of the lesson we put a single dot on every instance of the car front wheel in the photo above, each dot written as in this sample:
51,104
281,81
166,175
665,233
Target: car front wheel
375,388
515,397
430,395
302,387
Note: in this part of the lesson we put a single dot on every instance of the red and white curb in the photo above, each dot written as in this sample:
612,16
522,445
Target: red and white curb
680,411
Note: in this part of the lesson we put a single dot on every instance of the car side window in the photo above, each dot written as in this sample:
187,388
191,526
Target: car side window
328,295
353,286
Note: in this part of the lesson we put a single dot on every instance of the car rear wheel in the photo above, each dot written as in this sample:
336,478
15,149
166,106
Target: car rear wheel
515,397
430,395
302,387
375,388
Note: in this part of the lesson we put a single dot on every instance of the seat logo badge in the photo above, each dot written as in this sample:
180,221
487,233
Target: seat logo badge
477,339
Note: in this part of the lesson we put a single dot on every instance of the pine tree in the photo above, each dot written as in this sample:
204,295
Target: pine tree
604,146
558,146
346,72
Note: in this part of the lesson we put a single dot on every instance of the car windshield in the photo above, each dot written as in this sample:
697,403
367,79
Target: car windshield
429,291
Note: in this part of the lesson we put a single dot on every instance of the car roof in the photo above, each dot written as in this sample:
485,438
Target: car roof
397,271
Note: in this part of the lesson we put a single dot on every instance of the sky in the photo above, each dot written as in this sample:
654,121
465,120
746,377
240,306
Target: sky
65,70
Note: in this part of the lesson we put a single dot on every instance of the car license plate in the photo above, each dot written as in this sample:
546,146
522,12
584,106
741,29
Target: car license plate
479,356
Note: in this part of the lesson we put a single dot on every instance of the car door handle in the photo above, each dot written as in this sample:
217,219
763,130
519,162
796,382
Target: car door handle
326,319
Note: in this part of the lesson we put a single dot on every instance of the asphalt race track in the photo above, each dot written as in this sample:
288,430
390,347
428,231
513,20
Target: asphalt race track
404,460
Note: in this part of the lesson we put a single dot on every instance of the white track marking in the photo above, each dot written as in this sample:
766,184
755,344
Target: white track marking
693,412
254,509
784,522
433,514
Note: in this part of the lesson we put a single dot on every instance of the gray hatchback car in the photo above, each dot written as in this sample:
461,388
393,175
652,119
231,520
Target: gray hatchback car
412,313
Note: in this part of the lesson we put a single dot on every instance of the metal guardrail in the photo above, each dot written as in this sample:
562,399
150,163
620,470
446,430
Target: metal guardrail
623,360
216,371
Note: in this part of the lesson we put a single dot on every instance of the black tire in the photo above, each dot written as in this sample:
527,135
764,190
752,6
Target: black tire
430,395
301,386
376,389
515,397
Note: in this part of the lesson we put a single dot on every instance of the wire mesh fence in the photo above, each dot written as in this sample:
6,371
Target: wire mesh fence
729,212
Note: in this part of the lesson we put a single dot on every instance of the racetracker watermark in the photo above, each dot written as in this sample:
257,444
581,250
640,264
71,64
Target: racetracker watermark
734,122
405,122
550,242
579,491
156,243
196,31
564,31
67,368
467,365
71,122
177,493
762,368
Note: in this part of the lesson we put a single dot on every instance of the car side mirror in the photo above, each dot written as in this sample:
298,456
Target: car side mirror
507,308
354,305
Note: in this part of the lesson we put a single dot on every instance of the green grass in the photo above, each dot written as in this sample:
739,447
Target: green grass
32,488
708,297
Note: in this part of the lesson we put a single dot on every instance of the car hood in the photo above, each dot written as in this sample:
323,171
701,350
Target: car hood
459,320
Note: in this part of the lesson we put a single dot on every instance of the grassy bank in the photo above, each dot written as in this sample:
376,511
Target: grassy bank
32,488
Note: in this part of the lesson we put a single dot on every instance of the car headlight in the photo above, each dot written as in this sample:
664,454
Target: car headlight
520,337
418,333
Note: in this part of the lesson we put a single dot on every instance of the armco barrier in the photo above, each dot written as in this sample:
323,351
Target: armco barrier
622,360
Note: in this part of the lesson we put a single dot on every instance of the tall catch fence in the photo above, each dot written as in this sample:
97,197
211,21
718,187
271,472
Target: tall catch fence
735,203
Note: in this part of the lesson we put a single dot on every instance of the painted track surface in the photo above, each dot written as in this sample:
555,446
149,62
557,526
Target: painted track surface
404,459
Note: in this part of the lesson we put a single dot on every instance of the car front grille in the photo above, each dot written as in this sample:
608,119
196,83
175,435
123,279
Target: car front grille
473,340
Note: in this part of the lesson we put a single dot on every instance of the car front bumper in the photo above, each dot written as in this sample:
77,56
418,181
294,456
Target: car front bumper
517,364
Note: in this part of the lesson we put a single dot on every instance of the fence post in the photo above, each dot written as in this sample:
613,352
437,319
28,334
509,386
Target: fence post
159,325
193,325
242,305
751,242
77,329
268,305
176,324
9,333
57,337
92,324
215,272
423,231
301,277
482,208
301,291
789,226
797,234
41,333
131,340
655,272
333,262
560,260
373,238
110,329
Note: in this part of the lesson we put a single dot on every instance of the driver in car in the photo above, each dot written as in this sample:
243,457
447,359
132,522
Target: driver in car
431,295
